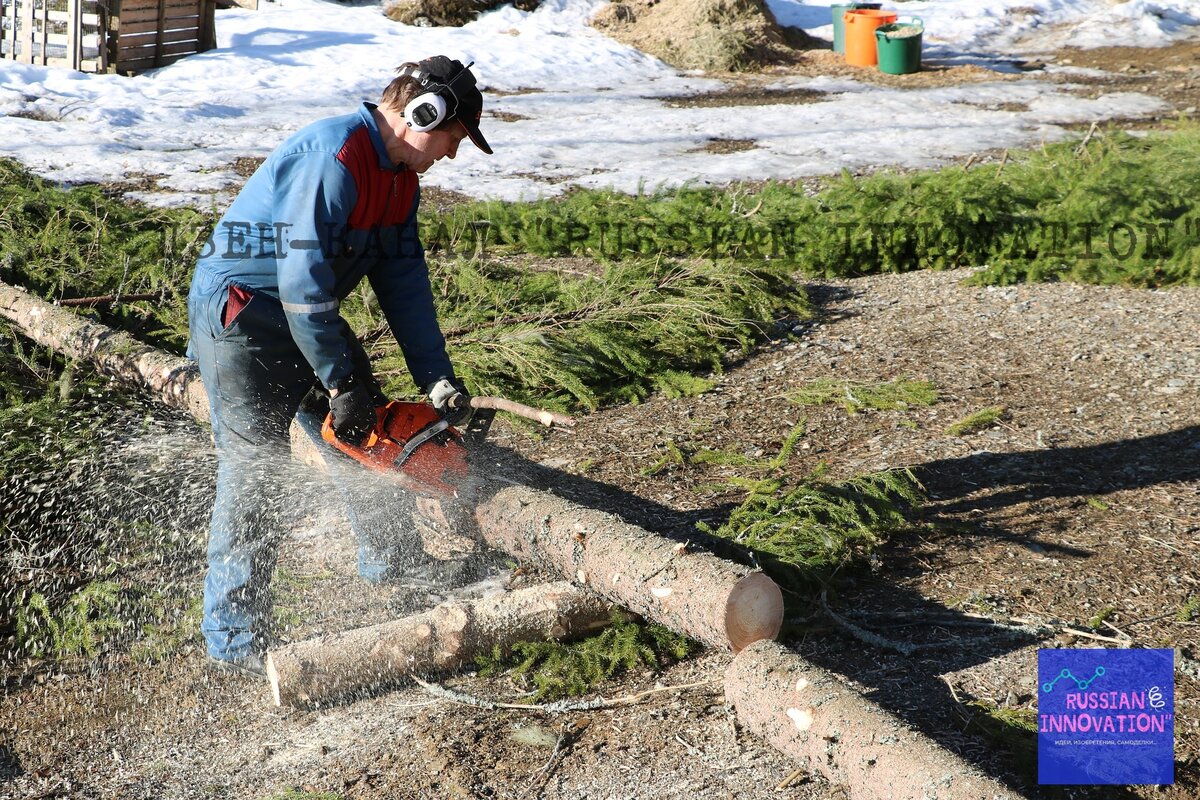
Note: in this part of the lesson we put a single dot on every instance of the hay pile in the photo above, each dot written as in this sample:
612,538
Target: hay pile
426,13
710,35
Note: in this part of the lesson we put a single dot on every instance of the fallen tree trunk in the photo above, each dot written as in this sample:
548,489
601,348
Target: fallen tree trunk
695,593
801,710
830,728
173,380
712,600
441,639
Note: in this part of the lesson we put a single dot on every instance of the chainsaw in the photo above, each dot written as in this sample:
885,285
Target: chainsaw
414,445
424,451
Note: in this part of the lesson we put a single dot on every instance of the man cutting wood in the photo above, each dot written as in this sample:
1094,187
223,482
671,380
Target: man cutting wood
333,204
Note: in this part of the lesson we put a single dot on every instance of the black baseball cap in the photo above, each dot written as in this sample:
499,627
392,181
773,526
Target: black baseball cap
462,96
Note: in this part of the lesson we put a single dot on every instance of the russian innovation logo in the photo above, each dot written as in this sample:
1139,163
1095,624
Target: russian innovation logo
1106,716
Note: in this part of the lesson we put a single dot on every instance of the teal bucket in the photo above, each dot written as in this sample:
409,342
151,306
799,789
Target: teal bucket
839,27
898,45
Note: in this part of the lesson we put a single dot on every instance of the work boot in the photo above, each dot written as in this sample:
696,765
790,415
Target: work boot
249,666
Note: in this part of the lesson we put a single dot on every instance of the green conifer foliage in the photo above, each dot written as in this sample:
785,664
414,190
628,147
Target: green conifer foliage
563,340
82,242
1119,209
77,628
854,396
558,669
801,533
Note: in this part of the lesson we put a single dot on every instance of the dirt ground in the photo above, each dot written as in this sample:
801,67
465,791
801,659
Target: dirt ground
1086,497
1080,510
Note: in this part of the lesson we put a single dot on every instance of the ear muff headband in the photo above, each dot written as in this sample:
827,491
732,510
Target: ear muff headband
430,108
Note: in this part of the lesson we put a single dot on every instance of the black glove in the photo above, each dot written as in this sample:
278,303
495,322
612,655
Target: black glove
452,401
353,410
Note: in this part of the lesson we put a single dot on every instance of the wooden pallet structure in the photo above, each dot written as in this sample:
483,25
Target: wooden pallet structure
124,36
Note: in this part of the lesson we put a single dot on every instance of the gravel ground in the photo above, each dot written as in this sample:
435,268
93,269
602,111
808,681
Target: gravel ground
1085,497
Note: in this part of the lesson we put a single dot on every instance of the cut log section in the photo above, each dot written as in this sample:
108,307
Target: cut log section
173,380
811,715
444,638
695,593
800,709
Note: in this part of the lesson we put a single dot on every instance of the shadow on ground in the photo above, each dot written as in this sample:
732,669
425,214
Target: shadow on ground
1086,471
947,640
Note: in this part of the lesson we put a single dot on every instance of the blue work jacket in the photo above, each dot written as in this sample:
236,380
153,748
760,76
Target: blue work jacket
325,210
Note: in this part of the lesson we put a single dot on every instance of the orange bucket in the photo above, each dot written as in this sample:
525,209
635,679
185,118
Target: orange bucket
860,34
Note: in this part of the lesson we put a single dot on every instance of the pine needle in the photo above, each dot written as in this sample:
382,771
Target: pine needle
558,669
901,394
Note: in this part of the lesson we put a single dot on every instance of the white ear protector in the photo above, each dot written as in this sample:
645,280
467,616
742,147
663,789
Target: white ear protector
425,112
429,109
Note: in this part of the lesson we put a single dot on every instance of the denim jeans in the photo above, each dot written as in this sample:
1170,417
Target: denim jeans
256,379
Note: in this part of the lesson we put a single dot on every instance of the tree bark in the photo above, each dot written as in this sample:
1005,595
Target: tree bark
695,593
707,598
173,380
830,728
441,639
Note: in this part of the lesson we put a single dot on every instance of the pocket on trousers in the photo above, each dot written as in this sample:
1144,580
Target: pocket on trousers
237,299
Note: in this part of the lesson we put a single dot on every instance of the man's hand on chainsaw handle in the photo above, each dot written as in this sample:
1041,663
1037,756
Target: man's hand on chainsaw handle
452,401
353,408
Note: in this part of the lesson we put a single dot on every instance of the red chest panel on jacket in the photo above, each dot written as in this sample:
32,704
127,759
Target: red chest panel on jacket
385,196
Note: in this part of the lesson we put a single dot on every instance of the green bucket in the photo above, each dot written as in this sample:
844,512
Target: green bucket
899,46
839,26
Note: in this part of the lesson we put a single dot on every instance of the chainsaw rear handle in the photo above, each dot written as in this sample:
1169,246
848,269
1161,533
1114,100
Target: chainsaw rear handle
547,418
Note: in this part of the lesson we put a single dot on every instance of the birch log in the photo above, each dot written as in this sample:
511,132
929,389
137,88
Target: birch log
696,593
830,728
173,380
444,638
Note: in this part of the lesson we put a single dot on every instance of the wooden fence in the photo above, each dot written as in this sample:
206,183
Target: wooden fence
105,35
152,33
67,33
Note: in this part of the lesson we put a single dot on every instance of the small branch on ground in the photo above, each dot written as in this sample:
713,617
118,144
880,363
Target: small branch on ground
862,634
111,299
798,776
1082,148
1128,639
1029,628
437,690
1061,627
568,734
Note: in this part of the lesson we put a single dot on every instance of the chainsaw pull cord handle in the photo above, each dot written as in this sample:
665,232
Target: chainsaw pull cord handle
547,418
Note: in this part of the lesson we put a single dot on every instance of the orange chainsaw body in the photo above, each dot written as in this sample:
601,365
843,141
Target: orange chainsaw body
437,465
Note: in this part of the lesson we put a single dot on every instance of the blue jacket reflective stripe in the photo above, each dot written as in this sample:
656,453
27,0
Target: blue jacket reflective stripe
325,210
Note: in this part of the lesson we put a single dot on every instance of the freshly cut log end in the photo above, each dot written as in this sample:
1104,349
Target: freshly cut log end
709,599
817,719
754,611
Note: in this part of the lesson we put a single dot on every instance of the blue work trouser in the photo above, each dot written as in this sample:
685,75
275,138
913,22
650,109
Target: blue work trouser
256,379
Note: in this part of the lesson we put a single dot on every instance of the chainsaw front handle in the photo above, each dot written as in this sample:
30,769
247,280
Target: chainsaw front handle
548,418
